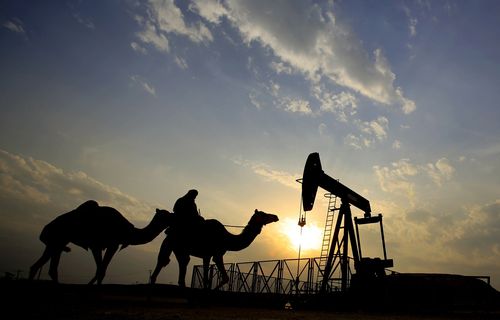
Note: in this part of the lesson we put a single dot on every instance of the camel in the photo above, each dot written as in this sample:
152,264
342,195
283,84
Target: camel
210,240
97,228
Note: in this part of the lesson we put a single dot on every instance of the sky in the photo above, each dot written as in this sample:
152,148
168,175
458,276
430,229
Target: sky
132,103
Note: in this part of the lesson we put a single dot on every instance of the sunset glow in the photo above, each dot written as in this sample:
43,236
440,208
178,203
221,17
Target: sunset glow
309,240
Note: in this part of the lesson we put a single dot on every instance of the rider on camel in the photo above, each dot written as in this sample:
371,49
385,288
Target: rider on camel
186,210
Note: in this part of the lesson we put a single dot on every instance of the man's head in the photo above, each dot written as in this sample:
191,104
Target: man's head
192,194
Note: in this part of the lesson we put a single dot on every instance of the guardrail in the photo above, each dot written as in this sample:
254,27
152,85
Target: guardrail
288,276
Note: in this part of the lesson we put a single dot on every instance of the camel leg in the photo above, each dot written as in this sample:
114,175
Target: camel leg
219,262
54,263
39,263
110,252
183,263
163,259
97,253
206,266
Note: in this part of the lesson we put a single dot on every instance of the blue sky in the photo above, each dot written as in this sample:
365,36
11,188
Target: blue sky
133,103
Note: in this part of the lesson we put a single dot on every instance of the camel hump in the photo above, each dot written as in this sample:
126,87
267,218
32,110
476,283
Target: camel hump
213,225
63,225
109,216
89,204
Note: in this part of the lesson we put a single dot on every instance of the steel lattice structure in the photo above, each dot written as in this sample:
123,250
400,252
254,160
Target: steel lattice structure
288,276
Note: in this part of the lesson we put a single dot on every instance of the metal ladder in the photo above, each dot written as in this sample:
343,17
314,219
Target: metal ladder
327,233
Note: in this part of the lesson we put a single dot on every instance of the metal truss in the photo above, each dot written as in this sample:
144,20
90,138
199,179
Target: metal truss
289,276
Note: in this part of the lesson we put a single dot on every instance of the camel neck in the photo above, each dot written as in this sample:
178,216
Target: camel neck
244,239
146,234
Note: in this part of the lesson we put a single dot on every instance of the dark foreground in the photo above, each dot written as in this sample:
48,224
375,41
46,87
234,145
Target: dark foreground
44,300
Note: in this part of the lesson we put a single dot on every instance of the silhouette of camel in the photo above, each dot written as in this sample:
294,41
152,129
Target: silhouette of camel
97,228
209,240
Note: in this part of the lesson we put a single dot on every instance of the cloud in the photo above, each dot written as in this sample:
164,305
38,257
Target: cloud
441,170
419,216
14,25
35,182
407,105
164,18
412,22
253,96
413,26
353,141
343,104
137,47
395,179
371,132
295,105
84,21
375,128
181,62
285,178
150,35
75,12
271,94
322,129
302,36
398,177
396,144
479,232
469,239
146,86
213,11
280,67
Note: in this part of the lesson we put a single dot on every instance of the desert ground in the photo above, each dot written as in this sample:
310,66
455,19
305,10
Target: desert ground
45,300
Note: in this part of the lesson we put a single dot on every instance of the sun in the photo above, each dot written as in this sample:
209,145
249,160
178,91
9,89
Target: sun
309,240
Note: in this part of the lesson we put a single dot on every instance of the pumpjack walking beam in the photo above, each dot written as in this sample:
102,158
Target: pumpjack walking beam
314,177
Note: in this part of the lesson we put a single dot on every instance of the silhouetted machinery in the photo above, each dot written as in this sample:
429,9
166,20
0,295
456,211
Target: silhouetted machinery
338,256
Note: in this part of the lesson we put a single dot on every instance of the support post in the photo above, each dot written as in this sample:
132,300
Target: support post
279,278
310,275
254,277
383,238
344,260
357,237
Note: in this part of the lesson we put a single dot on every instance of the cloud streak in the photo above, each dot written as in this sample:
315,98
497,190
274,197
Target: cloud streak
28,180
398,178
15,25
304,38
164,18
371,132
261,169
468,238
143,84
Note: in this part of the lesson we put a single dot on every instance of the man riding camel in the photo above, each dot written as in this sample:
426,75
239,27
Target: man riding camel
186,210
188,218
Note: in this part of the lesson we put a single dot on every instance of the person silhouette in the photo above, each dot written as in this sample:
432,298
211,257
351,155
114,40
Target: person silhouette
187,219
186,209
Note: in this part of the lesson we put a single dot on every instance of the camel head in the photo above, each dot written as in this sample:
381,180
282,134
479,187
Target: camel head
163,218
260,218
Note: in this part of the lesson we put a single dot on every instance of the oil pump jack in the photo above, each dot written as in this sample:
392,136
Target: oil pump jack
366,268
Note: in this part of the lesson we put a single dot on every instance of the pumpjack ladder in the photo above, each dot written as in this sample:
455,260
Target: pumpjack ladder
327,233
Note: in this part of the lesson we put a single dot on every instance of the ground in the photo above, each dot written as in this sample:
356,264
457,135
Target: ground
44,300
